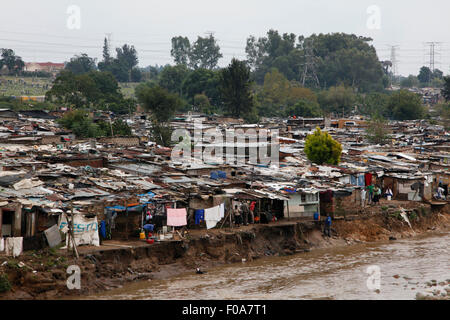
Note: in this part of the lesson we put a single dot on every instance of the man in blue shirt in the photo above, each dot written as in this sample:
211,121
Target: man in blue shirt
148,229
327,229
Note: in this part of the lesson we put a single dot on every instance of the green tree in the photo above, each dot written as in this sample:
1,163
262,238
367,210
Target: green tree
410,82
321,148
377,130
119,128
14,63
81,64
425,75
160,102
181,48
438,74
330,59
406,105
93,89
205,53
161,133
304,108
81,124
446,89
202,81
127,57
339,100
201,103
235,88
172,77
373,103
107,59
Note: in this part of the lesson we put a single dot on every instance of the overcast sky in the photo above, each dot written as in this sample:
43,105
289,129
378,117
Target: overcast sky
39,30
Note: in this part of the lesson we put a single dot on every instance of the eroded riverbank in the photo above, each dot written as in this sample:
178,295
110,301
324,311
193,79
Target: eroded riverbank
44,275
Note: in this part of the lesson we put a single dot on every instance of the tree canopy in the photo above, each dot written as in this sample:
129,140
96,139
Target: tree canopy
321,148
405,105
124,66
204,53
160,102
320,60
81,64
13,63
235,88
93,89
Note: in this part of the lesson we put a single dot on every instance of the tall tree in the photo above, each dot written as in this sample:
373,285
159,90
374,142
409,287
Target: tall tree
160,102
81,64
9,59
205,53
425,75
127,57
107,59
181,48
235,88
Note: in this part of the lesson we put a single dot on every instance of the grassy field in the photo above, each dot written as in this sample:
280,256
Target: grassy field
22,86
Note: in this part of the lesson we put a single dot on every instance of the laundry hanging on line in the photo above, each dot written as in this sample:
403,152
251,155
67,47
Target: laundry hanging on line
199,216
212,217
176,217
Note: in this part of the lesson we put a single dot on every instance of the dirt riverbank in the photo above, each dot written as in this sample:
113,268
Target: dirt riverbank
42,274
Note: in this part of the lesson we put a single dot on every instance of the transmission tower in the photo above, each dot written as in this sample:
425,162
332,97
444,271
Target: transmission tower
394,60
310,66
432,54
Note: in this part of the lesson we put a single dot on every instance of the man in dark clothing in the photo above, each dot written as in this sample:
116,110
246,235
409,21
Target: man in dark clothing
237,216
245,213
327,229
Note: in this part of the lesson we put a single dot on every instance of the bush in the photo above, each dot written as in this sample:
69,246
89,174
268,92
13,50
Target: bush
321,148
5,285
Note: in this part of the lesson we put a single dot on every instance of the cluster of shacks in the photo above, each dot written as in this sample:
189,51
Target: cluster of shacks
45,173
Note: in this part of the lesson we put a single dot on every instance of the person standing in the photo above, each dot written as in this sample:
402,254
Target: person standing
252,212
237,216
370,190
327,228
375,194
363,197
245,213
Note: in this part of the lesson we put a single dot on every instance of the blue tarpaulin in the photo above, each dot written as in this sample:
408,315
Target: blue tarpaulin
149,194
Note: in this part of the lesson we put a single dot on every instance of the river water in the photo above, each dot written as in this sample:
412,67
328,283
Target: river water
405,266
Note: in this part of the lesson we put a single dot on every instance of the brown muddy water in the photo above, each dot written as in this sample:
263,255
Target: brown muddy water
405,266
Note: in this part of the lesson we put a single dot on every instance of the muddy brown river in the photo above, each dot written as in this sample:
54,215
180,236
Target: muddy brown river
405,266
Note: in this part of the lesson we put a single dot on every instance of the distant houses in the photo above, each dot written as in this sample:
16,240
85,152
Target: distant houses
49,67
